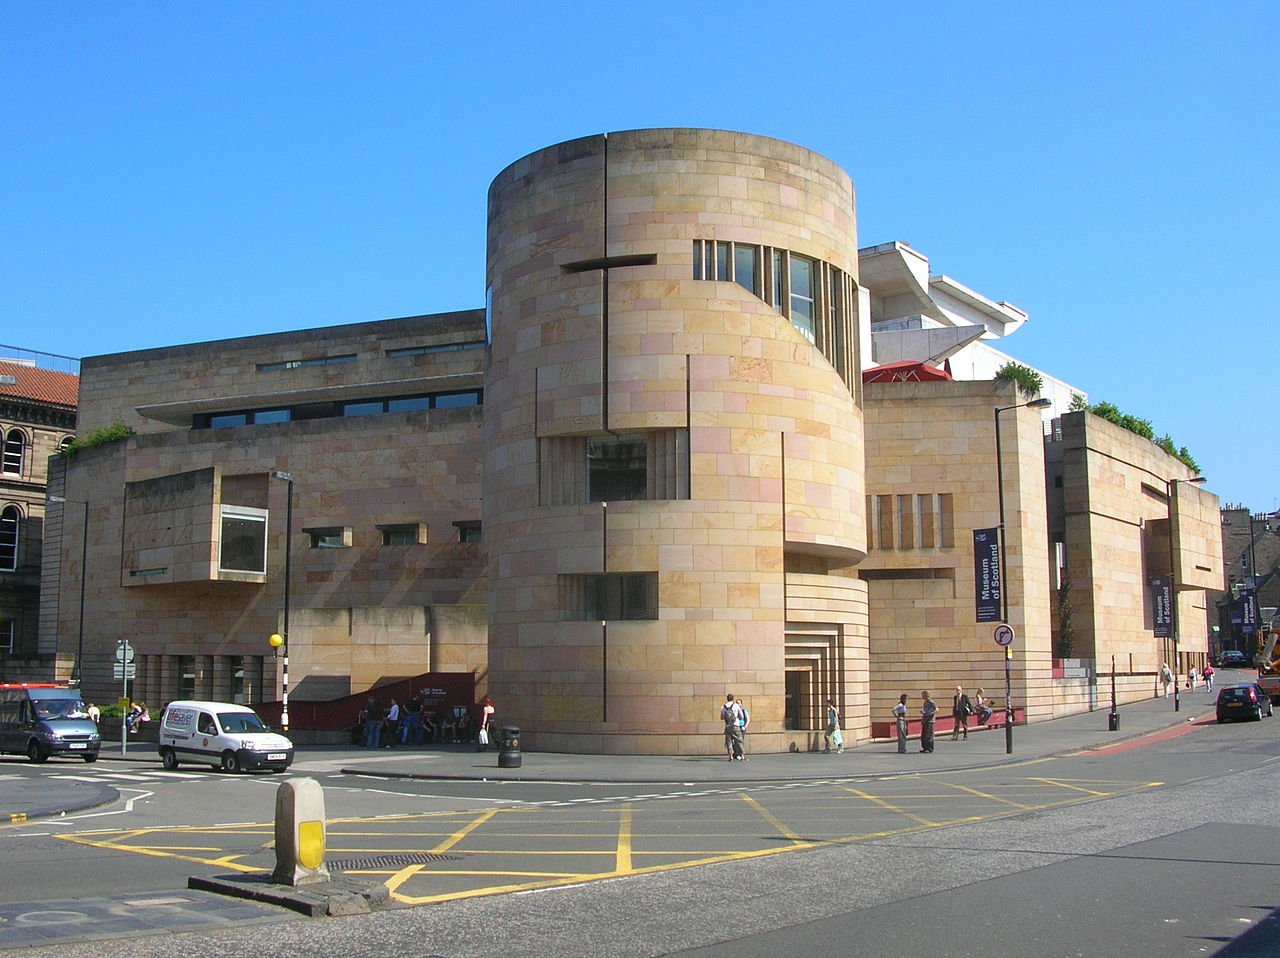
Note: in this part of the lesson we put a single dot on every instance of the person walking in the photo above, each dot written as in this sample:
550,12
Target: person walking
1166,677
832,735
485,733
928,712
900,720
1208,678
960,712
1191,679
730,713
373,722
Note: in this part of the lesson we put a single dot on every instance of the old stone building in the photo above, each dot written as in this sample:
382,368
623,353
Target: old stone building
647,474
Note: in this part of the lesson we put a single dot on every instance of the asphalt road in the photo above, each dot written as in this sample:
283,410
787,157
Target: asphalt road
1170,848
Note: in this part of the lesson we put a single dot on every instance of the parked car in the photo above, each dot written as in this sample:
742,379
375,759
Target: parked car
1243,702
1232,659
226,736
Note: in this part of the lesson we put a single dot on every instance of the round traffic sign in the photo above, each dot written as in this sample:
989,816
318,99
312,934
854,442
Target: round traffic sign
1003,636
124,652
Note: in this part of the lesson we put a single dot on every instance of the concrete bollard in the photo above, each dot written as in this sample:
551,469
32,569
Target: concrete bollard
300,833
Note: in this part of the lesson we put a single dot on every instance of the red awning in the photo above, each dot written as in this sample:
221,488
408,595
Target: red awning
905,372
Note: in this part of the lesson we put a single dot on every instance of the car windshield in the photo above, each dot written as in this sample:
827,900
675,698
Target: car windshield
62,708
240,722
1233,695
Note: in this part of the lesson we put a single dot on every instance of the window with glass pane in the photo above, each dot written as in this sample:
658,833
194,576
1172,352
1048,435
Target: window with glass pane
403,535
218,421
9,520
621,595
15,445
363,408
456,400
264,416
244,543
779,274
6,635
745,268
617,468
801,278
187,669
235,676
411,404
330,538
839,349
722,261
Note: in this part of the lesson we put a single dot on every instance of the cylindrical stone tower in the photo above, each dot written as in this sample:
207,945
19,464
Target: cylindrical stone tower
673,486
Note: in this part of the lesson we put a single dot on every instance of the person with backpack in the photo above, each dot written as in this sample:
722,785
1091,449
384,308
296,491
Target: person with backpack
744,719
731,715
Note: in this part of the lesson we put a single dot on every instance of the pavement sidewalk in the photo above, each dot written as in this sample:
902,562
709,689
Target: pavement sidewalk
55,792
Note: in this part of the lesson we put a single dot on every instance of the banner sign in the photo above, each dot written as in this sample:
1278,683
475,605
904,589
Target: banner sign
1162,605
1248,613
986,574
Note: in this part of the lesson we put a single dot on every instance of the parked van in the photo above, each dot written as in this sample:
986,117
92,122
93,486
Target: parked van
43,720
220,734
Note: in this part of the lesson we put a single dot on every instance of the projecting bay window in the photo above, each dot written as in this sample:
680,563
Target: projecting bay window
243,542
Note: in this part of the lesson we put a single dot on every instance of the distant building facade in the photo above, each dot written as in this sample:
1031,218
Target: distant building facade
37,419
648,473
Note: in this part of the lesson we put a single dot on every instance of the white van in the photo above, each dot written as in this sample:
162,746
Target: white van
225,736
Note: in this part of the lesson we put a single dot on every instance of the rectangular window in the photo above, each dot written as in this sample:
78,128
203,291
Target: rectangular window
187,671
746,267
884,521
468,530
697,259
620,595
411,404
15,444
243,543
330,537
722,261
317,361
779,280
263,416
839,334
221,420
401,534
456,400
375,408
443,348
946,521
6,635
803,295
617,468
235,678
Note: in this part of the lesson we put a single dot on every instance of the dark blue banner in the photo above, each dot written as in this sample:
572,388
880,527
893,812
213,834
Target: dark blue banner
1162,606
986,574
1248,613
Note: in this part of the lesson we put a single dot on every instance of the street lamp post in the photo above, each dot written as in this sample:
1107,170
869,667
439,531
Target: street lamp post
281,640
84,555
1040,403
1170,486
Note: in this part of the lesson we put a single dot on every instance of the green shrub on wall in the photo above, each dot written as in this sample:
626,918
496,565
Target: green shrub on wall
112,433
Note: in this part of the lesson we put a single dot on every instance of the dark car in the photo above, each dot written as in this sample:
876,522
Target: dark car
1243,702
1232,659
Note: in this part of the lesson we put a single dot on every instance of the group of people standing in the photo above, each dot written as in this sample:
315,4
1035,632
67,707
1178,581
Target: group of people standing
386,726
736,718
962,707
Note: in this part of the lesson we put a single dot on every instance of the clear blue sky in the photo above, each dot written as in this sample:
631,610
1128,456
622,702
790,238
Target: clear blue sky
176,172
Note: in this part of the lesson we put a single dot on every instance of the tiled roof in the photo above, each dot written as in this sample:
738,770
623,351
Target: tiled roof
39,385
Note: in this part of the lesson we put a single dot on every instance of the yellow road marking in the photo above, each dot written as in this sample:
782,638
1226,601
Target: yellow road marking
991,798
874,800
773,820
462,833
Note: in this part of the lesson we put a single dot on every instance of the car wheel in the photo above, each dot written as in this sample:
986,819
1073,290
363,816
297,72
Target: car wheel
91,758
230,761
36,753
168,759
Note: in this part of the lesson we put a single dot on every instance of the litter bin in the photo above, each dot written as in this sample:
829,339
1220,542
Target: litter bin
509,747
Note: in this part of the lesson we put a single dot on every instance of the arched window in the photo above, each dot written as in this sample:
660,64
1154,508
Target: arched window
15,448
9,519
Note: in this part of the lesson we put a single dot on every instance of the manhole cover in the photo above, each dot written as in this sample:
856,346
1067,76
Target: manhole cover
390,861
